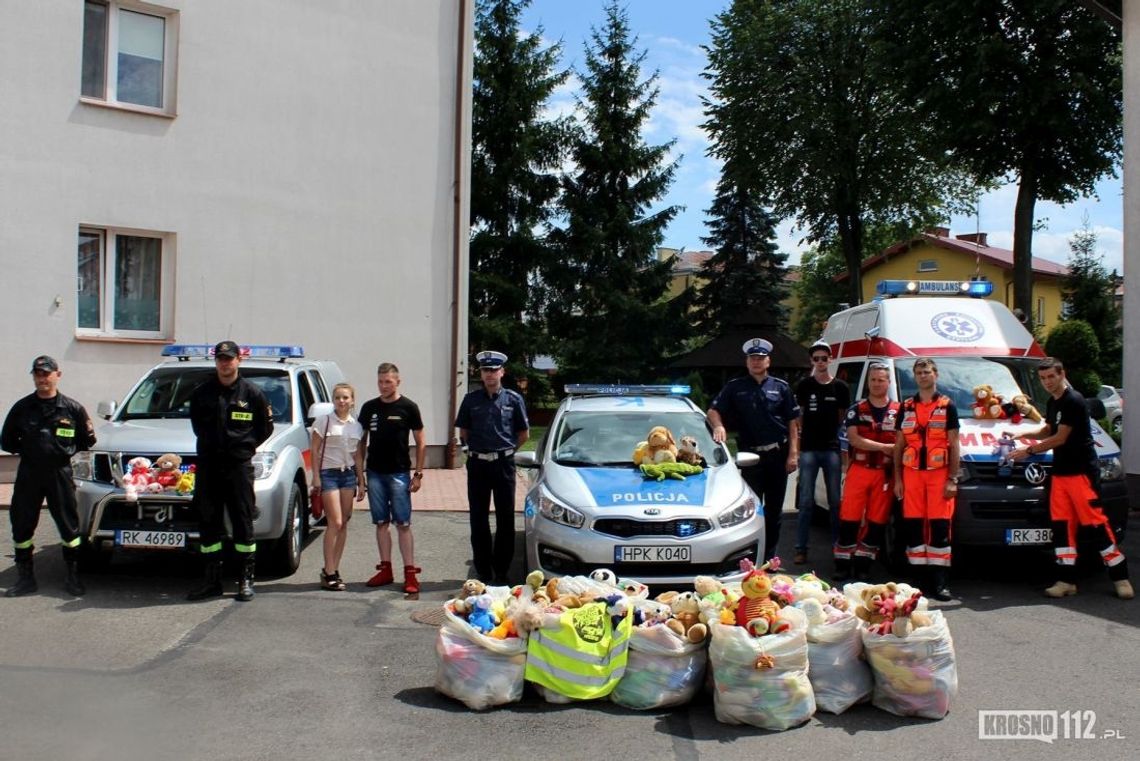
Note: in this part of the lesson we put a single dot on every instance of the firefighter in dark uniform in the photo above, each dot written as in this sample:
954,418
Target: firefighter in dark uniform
766,418
45,429
492,423
231,418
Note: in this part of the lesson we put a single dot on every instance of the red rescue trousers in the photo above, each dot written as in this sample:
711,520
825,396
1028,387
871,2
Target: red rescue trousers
866,495
926,516
1073,510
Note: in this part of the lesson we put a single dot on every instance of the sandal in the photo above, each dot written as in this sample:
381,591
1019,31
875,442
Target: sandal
332,581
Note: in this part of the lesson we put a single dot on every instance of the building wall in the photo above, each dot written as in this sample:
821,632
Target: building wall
953,265
308,179
1131,447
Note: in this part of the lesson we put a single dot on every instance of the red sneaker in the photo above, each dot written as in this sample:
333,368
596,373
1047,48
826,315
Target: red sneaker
411,583
383,575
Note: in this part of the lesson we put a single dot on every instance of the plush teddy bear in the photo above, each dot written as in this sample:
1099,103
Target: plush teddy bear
873,607
167,471
710,591
686,620
658,447
1025,408
987,404
561,599
471,588
137,478
689,452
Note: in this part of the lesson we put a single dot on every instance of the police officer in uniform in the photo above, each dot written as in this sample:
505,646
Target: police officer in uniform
45,429
492,422
231,418
763,412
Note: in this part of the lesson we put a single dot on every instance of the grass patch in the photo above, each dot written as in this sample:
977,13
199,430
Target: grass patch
536,434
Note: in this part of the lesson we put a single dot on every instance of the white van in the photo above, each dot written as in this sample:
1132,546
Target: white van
974,341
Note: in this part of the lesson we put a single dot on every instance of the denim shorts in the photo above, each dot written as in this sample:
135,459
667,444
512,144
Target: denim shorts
333,479
389,498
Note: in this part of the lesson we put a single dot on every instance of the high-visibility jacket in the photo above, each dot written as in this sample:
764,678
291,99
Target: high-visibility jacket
881,432
927,445
584,657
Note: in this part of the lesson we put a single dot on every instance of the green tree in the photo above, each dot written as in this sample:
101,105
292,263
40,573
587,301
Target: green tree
747,271
1029,89
1074,343
1089,292
514,181
801,95
607,314
819,295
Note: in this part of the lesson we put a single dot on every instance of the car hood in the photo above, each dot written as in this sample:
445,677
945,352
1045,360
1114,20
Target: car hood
150,436
979,439
617,488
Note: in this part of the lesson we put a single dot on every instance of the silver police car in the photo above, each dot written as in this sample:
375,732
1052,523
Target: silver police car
590,507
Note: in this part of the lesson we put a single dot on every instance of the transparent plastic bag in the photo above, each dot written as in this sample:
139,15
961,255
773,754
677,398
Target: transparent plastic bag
664,669
839,675
478,670
916,675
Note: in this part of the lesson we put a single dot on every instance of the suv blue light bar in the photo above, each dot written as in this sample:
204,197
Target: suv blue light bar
628,390
975,288
205,351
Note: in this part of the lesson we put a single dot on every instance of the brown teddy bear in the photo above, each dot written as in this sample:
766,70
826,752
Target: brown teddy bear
658,447
686,620
872,607
167,471
1025,408
987,404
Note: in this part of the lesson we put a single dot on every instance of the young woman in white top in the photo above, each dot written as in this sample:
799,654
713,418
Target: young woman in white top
338,476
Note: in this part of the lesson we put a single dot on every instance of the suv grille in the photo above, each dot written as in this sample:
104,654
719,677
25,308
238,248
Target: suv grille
176,513
625,528
988,471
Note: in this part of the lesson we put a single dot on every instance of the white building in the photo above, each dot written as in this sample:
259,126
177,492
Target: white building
271,171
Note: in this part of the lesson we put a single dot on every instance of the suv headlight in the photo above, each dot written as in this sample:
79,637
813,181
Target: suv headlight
1110,469
554,510
738,513
83,466
263,463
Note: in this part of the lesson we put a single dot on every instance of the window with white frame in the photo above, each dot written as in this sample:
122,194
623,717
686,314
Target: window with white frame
128,54
927,265
125,283
1040,316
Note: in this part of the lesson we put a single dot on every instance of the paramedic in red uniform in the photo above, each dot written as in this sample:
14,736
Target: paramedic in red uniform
1073,506
867,493
926,475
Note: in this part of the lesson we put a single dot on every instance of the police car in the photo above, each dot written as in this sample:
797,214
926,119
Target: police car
589,507
154,420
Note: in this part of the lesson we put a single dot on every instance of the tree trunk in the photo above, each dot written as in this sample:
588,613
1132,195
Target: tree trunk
851,242
1023,242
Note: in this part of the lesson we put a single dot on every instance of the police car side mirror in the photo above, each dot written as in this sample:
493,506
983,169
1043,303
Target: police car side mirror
526,459
746,459
106,409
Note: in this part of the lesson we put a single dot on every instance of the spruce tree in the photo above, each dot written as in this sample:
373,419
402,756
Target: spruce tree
608,317
514,180
1089,292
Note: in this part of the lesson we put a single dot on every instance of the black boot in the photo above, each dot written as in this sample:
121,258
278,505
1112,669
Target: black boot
71,583
842,570
212,587
26,583
862,568
245,584
939,582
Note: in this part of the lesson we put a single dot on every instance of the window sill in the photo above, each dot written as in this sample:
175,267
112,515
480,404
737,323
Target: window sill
125,340
117,106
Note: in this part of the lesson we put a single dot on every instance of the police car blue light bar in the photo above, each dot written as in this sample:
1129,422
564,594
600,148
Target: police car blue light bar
204,351
975,288
628,390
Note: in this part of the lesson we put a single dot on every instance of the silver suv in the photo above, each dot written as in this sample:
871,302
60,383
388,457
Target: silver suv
154,420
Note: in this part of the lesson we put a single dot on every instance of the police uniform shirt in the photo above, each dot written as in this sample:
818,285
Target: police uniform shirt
492,422
758,412
821,405
230,421
388,425
1078,453
47,431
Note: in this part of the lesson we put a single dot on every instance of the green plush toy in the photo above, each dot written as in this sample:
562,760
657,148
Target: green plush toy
662,470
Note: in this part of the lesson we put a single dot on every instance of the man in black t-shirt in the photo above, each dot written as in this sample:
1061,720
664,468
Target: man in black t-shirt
1072,498
823,402
387,420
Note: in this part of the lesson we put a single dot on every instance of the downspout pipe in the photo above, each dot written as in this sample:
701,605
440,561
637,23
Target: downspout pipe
458,269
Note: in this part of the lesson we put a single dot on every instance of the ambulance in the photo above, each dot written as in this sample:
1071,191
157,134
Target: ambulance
973,340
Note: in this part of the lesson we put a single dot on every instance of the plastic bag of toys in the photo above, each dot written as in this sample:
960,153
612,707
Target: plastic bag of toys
840,677
478,669
915,675
762,681
664,669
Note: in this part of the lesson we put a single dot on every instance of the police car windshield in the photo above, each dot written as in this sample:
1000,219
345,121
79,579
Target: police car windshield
957,377
165,393
607,439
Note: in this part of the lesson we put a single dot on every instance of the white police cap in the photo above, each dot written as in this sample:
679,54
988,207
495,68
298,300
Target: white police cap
757,346
491,359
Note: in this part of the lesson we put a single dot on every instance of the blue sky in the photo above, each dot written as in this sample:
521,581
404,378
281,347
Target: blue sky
672,32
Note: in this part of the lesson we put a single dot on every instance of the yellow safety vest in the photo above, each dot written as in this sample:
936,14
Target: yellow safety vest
584,657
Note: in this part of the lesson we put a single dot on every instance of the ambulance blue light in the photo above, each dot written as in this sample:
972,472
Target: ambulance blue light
975,288
627,390
205,351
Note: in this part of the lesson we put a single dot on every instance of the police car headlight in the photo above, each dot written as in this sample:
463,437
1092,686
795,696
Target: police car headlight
83,466
1111,469
738,513
559,513
263,463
